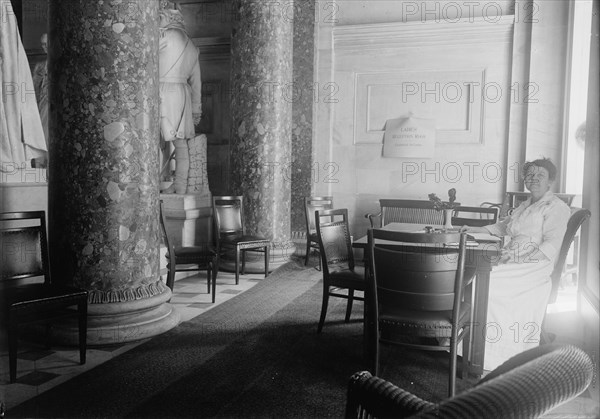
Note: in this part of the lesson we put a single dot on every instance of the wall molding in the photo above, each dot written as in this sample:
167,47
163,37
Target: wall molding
430,33
213,48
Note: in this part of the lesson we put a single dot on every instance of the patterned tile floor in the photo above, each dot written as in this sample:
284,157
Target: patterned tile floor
40,369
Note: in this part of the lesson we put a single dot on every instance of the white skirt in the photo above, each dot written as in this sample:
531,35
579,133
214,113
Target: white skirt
518,297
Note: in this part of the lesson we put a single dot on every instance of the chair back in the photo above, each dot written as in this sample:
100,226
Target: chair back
163,230
334,239
228,213
475,216
578,217
24,246
409,211
313,204
424,274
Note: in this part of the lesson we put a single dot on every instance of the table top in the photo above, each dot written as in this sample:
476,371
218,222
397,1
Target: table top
485,242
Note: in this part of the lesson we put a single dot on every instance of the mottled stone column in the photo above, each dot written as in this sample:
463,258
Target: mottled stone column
261,109
103,175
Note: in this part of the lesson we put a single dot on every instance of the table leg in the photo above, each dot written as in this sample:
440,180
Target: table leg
482,285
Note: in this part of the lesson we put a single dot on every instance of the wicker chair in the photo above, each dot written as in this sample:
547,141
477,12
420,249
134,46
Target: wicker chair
526,386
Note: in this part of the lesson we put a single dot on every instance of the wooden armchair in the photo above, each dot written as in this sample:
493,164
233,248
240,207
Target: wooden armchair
526,386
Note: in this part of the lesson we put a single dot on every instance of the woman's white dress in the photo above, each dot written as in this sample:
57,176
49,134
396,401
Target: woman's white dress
519,292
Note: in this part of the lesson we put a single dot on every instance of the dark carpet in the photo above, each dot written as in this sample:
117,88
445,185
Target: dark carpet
255,355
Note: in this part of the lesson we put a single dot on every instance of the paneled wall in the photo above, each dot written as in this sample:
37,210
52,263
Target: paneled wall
456,72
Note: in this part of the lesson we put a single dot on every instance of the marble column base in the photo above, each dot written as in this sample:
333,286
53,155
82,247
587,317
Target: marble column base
116,323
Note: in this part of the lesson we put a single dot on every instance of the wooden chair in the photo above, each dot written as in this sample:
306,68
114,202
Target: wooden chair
406,211
24,257
526,386
474,216
578,217
312,204
230,233
202,257
416,292
337,261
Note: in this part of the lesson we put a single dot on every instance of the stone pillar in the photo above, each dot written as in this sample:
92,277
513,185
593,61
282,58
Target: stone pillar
261,83
103,176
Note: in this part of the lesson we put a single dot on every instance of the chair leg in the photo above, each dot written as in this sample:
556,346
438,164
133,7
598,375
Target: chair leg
243,254
208,278
13,338
323,308
237,265
376,353
212,280
267,255
452,377
171,275
466,356
349,305
216,264
307,251
82,309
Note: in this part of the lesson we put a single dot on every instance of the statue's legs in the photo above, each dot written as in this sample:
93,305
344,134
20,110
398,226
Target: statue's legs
197,175
182,166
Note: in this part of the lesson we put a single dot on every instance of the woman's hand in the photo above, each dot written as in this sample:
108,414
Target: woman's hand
469,229
518,253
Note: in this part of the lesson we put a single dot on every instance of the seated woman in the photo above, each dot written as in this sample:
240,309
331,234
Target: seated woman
520,285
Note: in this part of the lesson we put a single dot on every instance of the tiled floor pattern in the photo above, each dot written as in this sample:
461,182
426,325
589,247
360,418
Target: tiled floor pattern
39,369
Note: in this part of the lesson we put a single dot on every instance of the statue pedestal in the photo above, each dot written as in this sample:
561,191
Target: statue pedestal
188,218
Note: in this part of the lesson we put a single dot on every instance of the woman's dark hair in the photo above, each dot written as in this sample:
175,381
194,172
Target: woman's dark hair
545,163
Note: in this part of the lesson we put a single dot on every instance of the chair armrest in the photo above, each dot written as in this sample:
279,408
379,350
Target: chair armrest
371,216
528,385
370,396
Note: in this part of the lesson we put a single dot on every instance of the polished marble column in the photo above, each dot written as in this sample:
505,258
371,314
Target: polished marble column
103,175
261,107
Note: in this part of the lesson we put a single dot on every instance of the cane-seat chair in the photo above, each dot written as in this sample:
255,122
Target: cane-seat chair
337,261
405,211
230,233
195,258
420,294
312,204
24,299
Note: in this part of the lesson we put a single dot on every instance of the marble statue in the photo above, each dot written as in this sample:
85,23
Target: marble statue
21,134
40,83
180,96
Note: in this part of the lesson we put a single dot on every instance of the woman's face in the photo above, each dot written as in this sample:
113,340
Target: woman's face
537,180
